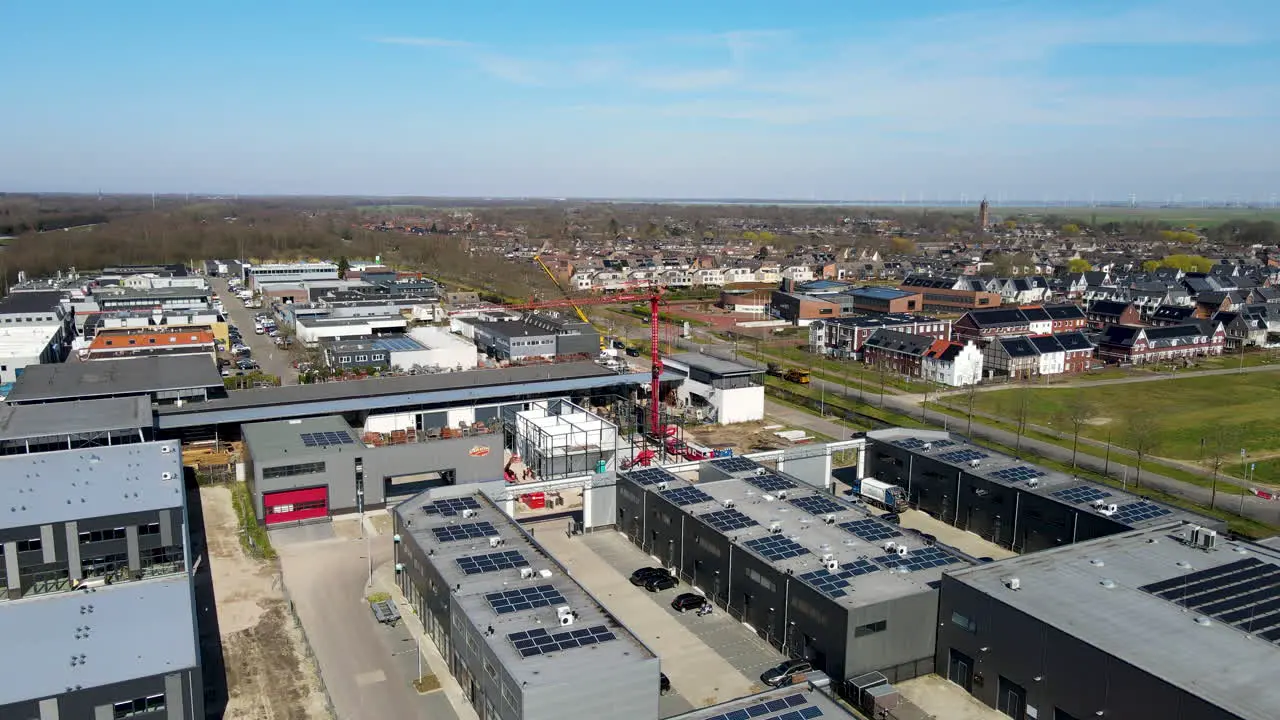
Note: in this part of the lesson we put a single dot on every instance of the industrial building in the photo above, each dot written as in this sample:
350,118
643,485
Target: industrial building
816,576
169,342
302,470
523,639
1168,621
534,337
47,427
314,329
722,391
166,380
23,346
1002,499
259,276
96,569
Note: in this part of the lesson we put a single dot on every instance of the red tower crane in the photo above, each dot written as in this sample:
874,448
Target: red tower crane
654,299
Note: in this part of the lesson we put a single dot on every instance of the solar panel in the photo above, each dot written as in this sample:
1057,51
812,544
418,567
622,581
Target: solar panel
1244,594
727,520
776,547
917,559
527,598
735,464
1139,511
792,707
450,507
1018,473
686,496
650,476
910,443
538,641
817,504
962,456
770,483
468,531
492,562
326,438
870,530
1080,494
833,584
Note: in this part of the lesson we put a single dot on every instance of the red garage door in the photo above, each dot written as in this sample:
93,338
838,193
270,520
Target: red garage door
295,505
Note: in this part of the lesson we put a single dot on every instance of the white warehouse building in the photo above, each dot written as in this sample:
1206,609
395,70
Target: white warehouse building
727,392
443,350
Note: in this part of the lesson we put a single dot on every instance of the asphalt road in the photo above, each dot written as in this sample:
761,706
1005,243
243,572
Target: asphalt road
271,359
1252,507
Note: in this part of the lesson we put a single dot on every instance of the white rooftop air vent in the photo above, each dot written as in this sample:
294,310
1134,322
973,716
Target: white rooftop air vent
565,616
828,557
662,485
832,565
975,462
1203,621
1033,482
1108,510
544,573
1097,562
775,526
728,502
495,541
760,471
1183,564
295,422
768,498
468,512
1108,583
1013,583
1099,503
890,546
829,519
1208,539
166,449
782,494
527,573
927,447
902,551
166,476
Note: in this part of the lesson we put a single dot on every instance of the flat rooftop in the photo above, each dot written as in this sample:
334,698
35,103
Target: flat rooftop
327,321
880,293
27,340
792,525
136,629
1152,600
885,320
713,365
512,328
130,376
1134,510
771,704
505,607
44,488
20,422
268,441
31,301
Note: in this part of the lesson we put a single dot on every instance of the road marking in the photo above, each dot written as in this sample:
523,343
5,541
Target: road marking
372,677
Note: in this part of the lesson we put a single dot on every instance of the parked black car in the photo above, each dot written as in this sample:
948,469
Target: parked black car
661,582
641,577
688,601
782,674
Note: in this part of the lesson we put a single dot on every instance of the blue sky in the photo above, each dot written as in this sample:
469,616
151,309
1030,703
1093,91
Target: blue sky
850,100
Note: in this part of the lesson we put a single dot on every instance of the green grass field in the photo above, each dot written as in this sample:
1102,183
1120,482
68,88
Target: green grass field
1200,217
1239,408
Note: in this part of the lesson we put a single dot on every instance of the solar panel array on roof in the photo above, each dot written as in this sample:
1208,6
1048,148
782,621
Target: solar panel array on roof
817,504
727,520
469,531
526,598
833,584
538,641
869,530
651,476
909,443
961,456
397,343
791,707
770,483
450,507
1080,494
1139,511
326,438
776,547
735,464
918,559
1018,473
492,562
685,496
1244,594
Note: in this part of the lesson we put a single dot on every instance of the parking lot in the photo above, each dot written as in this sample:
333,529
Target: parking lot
709,659
271,359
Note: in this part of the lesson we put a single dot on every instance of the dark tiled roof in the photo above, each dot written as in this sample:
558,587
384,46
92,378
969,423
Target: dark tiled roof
1018,347
1046,344
1073,341
1111,308
900,342
996,317
1064,312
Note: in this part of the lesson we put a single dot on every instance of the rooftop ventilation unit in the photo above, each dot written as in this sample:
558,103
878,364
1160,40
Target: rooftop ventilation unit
1033,482
166,476
544,573
832,565
975,462
768,498
760,471
662,485
1108,510
468,512
782,494
828,557
565,615
775,526
902,551
1204,538
495,541
728,503
890,546
166,449
1013,583
829,519
527,573
927,447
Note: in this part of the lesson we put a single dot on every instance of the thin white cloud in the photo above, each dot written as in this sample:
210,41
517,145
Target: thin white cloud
689,80
423,42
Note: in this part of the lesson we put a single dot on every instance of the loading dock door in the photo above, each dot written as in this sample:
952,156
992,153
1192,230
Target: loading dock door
295,505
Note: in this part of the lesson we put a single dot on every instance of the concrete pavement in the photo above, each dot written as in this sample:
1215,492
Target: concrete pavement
272,360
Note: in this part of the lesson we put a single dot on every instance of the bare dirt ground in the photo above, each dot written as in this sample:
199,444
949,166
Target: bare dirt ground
269,676
744,437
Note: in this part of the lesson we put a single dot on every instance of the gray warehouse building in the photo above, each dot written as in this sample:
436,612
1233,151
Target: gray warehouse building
816,576
1005,500
165,380
1164,622
521,636
96,571
314,468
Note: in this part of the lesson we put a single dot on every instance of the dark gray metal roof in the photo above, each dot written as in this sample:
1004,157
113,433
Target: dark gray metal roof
31,302
18,422
98,378
43,488
713,365
268,441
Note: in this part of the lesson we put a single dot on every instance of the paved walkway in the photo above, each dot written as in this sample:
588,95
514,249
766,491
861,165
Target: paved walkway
696,671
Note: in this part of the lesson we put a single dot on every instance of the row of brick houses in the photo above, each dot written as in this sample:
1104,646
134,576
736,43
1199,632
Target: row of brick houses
845,336
920,356
1139,345
983,326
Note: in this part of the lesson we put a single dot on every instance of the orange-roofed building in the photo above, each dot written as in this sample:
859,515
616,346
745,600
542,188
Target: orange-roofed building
143,343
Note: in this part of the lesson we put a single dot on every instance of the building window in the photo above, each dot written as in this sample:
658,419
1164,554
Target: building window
292,470
94,536
870,628
760,580
151,529
963,622
31,545
130,708
490,669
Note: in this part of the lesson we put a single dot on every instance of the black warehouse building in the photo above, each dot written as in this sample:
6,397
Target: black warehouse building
1005,500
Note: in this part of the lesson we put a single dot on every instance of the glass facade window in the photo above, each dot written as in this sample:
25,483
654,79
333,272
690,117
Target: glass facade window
292,470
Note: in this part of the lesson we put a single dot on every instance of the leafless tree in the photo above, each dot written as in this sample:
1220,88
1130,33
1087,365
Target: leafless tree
1077,411
1143,432
1019,408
